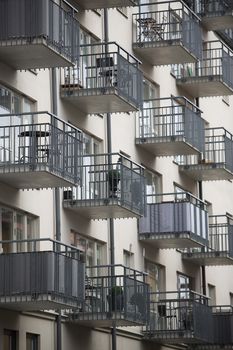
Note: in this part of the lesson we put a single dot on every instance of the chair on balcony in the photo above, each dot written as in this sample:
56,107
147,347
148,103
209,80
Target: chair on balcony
107,72
150,29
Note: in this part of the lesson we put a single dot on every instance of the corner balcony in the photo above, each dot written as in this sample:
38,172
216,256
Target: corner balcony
179,317
114,295
40,274
168,33
215,14
211,76
106,80
37,35
112,186
100,4
174,220
173,126
219,250
227,36
217,161
38,150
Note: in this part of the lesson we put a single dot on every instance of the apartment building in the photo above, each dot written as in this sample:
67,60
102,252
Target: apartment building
116,170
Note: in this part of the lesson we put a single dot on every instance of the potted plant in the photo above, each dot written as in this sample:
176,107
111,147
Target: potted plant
116,299
113,177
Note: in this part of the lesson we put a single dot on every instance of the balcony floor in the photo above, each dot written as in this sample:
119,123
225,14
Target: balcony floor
167,146
36,303
165,52
172,240
106,320
207,172
205,86
100,4
101,210
173,337
209,258
22,177
24,55
96,101
217,22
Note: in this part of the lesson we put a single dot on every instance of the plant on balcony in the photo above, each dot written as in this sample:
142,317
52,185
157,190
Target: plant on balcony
116,299
113,178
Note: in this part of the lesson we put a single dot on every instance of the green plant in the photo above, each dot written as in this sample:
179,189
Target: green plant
113,177
116,298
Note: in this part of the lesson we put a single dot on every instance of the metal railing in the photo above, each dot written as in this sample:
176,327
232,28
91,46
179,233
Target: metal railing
175,314
103,68
172,213
168,22
114,292
109,179
227,36
174,117
218,150
213,8
33,269
38,140
23,23
217,62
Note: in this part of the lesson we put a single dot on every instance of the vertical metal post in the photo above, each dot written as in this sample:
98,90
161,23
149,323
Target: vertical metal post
109,150
57,202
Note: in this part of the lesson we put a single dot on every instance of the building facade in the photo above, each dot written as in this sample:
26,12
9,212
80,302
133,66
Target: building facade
116,169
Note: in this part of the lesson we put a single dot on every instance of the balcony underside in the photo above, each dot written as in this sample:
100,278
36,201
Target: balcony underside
159,53
173,337
167,146
36,302
172,240
22,177
95,101
205,86
218,21
209,258
105,209
23,54
106,320
207,172
99,4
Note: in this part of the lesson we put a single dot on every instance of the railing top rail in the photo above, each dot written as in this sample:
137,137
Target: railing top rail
177,197
128,270
218,131
216,45
176,99
168,295
216,309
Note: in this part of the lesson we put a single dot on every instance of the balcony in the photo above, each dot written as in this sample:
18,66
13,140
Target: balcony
37,35
174,220
173,126
99,4
40,274
215,14
106,80
179,317
168,33
212,76
38,150
217,160
114,295
112,186
219,250
227,36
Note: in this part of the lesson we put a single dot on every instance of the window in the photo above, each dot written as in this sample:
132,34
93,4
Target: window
155,277
212,294
12,102
32,341
9,340
184,284
153,185
128,259
179,191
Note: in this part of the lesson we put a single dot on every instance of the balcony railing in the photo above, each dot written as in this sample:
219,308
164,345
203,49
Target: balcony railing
38,150
106,79
37,35
114,295
170,126
40,274
167,33
179,317
174,220
99,4
219,250
112,186
217,160
227,36
212,76
216,14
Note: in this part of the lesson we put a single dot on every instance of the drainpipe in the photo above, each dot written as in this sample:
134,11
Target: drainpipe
58,345
203,270
109,150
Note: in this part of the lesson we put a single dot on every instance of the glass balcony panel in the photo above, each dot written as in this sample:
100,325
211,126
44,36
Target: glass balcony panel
37,34
105,79
166,33
38,150
174,221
